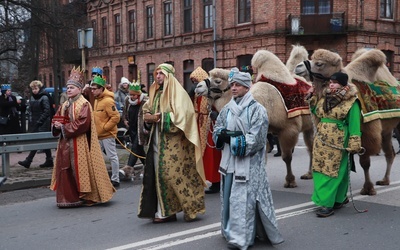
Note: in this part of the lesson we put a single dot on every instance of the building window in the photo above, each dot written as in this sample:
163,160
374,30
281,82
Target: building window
150,74
244,63
167,18
208,14
244,11
104,30
119,72
188,67
106,74
50,80
131,26
386,9
117,28
389,59
187,16
149,21
311,7
94,26
207,64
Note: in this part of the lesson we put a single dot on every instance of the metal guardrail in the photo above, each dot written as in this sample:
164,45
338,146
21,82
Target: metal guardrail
14,143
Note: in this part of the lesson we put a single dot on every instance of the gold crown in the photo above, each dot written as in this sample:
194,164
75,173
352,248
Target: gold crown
76,77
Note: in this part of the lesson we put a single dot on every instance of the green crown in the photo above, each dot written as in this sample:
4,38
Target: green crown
99,81
135,87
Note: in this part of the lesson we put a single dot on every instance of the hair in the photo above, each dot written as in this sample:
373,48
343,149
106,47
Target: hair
36,83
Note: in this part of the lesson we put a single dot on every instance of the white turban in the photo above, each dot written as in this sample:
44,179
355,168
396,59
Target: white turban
242,78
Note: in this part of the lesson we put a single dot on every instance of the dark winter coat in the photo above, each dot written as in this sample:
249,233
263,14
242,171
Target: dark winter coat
13,125
39,112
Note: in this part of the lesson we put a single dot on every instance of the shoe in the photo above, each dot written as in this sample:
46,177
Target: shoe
213,189
164,220
26,163
340,205
277,154
115,183
188,218
47,164
325,212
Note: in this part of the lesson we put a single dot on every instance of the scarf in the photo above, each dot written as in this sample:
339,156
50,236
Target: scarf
235,122
333,97
137,101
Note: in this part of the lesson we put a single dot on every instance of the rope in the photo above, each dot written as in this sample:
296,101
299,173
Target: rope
127,149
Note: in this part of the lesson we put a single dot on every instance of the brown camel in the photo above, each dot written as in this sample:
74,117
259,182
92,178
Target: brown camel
287,129
367,66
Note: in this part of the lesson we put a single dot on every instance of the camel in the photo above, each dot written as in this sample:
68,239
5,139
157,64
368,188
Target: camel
366,66
287,129
297,55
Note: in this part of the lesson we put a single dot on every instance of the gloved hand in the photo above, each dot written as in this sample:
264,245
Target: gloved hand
224,137
354,145
213,115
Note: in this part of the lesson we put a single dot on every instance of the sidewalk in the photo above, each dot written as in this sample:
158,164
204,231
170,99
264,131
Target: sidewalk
23,178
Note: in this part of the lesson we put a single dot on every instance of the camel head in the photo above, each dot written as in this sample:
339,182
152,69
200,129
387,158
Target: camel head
267,64
216,87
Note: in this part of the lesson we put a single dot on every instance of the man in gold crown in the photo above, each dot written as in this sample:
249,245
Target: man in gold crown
80,176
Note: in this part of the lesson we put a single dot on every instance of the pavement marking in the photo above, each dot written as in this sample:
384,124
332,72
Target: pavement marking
215,226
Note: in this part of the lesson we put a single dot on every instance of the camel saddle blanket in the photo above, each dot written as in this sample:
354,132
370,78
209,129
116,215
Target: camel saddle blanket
379,100
293,96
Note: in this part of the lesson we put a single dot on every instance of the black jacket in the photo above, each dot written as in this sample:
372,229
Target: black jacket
6,110
39,112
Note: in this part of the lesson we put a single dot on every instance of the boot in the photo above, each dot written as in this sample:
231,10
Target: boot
26,163
47,164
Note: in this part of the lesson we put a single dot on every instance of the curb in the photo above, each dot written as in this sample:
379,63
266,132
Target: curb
25,184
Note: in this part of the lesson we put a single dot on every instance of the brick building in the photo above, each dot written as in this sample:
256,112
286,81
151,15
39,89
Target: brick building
132,37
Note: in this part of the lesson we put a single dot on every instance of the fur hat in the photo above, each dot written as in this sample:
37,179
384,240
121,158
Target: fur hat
242,78
76,77
99,81
341,78
135,88
125,80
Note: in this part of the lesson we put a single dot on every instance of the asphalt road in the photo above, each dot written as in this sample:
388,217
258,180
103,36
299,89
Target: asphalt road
29,219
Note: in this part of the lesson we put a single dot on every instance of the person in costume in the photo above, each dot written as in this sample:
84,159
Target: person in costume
9,108
338,134
106,118
80,176
247,209
173,175
205,120
133,120
39,120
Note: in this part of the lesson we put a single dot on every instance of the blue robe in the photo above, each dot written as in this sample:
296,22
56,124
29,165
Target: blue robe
250,212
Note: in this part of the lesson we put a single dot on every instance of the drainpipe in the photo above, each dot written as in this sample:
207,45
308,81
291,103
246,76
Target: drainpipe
214,35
